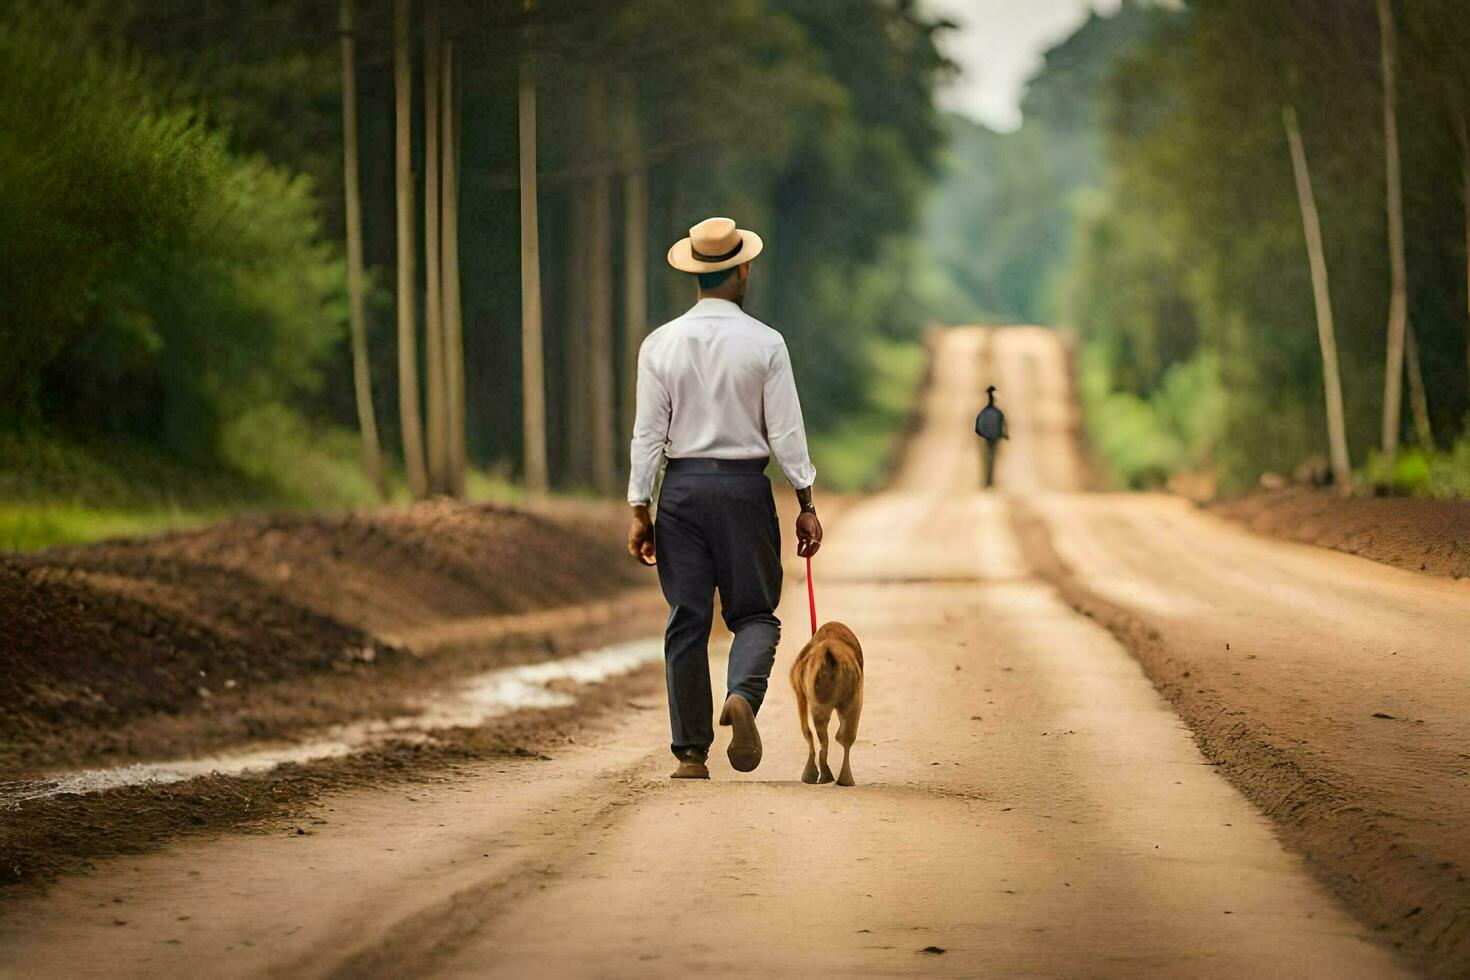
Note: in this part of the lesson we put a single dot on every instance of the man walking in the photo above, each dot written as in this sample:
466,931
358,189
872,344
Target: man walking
990,425
717,398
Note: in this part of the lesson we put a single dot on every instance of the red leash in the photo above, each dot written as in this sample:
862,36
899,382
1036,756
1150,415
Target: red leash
811,596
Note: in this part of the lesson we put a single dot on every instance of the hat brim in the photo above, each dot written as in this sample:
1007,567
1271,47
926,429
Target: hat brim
681,256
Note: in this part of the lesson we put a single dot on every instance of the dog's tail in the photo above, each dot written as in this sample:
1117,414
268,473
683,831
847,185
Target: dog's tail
824,681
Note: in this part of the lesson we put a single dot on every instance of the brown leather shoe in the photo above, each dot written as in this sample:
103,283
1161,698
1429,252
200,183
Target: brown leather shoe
690,769
691,765
745,740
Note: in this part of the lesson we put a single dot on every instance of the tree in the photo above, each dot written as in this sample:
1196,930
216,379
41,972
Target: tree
1418,399
1463,134
449,254
635,248
438,422
1398,310
575,403
1342,473
533,371
408,372
599,250
372,457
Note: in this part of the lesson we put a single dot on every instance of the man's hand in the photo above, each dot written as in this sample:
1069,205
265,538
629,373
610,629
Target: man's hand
808,533
640,536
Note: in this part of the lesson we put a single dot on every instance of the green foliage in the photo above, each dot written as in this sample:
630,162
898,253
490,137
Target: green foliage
1437,473
31,527
58,491
172,171
1143,441
854,455
153,286
1194,246
1449,471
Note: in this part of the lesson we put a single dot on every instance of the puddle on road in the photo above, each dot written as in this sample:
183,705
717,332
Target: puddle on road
476,700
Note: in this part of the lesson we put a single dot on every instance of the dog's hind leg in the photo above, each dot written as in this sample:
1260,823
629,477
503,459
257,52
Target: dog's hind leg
809,774
847,729
821,715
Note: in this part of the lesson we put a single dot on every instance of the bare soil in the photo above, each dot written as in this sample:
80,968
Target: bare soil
1328,690
41,840
261,628
134,648
1418,534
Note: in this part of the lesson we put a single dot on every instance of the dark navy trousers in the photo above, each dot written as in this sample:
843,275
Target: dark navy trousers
716,530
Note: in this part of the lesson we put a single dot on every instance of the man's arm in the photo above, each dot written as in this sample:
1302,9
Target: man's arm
786,433
650,435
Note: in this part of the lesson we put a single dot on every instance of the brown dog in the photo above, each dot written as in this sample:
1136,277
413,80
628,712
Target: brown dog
828,676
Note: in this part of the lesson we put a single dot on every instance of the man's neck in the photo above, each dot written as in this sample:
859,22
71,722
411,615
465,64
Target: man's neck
727,297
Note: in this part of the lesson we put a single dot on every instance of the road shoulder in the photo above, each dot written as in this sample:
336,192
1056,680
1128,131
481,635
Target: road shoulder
1415,533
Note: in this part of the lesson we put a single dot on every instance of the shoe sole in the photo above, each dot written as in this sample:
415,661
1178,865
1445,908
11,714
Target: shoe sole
745,741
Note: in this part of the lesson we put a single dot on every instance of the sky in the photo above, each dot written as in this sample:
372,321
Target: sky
998,47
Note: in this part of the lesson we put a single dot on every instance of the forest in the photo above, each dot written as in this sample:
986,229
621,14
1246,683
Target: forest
1150,202
210,293
326,252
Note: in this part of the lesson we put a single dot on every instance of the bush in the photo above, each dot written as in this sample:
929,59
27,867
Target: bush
152,285
1424,473
1145,440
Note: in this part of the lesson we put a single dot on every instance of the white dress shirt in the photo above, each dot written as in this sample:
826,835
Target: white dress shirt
716,383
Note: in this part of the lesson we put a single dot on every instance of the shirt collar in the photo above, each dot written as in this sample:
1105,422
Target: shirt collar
711,305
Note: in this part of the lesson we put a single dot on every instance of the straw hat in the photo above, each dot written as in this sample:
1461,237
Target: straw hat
714,244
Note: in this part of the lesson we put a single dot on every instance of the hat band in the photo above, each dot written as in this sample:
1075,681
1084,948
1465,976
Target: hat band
716,258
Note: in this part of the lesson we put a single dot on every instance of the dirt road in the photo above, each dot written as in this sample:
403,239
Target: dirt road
1027,801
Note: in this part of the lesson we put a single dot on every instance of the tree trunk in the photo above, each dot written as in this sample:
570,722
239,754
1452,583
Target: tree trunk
438,428
1342,472
453,315
533,371
1465,182
367,422
599,285
408,372
576,414
679,291
1398,309
1418,400
635,254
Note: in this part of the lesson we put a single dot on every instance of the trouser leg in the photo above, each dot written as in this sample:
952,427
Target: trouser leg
686,575
990,450
747,562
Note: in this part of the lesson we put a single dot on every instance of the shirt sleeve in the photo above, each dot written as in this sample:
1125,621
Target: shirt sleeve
785,430
650,431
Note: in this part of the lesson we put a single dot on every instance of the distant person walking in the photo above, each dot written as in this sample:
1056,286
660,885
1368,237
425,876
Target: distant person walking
990,425
716,397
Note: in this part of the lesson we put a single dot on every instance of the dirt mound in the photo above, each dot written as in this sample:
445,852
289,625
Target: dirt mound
1423,535
94,637
391,569
96,645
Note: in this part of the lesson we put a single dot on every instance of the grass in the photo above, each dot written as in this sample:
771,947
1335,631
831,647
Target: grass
34,525
30,527
1441,473
854,455
55,492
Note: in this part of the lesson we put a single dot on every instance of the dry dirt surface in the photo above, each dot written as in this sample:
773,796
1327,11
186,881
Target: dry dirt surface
1421,535
1027,802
